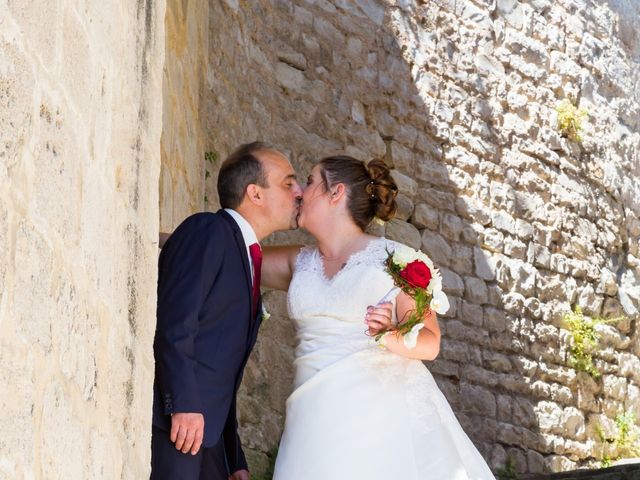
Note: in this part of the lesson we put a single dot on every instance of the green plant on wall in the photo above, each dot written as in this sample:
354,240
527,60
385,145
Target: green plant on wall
508,472
624,444
210,159
268,473
584,340
570,120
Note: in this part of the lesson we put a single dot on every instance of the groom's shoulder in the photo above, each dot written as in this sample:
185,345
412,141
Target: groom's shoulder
202,220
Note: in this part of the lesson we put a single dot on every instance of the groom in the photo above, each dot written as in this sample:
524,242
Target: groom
208,315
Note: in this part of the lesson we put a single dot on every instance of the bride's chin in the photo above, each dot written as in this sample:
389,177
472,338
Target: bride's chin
302,222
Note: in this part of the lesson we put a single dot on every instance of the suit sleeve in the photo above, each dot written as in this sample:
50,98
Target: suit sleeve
189,264
232,445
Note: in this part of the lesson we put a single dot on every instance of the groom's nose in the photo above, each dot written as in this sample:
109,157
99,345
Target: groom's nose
297,191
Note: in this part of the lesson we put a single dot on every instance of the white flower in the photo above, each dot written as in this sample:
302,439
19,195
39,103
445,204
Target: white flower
410,338
439,302
404,255
265,315
427,261
436,282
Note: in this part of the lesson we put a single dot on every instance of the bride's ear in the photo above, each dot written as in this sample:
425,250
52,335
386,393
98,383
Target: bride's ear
337,192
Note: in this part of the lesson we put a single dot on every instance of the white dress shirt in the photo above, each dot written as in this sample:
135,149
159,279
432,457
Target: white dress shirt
248,234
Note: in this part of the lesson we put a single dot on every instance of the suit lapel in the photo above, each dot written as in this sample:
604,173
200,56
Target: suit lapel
242,250
257,319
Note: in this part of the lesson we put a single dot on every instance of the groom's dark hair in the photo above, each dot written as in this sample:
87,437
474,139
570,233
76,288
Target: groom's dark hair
241,169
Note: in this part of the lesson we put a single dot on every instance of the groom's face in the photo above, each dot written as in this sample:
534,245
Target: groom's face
283,194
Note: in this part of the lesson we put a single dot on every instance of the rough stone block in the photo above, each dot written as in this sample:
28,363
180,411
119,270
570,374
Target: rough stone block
406,233
452,283
494,320
437,248
404,207
462,260
406,185
450,227
432,173
425,216
477,400
476,290
290,77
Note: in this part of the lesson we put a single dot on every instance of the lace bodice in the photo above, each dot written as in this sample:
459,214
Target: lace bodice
344,297
329,313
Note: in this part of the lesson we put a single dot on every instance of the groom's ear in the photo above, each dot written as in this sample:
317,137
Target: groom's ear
254,194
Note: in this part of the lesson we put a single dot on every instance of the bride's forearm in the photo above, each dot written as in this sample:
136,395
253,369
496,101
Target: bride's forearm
428,342
427,346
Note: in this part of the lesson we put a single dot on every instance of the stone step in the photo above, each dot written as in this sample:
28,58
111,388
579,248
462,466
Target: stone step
618,472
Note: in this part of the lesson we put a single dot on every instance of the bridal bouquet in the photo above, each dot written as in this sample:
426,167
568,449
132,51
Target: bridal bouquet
413,272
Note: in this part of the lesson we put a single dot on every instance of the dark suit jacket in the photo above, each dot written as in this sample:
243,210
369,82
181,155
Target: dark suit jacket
205,328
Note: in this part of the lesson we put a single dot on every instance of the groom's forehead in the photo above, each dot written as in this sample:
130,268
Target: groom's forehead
275,162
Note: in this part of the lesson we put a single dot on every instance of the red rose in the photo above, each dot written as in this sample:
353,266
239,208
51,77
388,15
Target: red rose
417,274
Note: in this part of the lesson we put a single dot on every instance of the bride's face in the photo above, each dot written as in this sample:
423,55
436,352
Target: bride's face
314,210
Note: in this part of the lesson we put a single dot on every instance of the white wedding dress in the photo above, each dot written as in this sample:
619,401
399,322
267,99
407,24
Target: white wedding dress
359,412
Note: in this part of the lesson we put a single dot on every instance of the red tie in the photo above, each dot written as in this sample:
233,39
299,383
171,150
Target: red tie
256,257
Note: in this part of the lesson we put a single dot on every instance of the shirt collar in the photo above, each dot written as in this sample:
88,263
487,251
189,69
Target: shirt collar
248,234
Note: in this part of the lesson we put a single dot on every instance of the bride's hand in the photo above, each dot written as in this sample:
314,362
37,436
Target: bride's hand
379,318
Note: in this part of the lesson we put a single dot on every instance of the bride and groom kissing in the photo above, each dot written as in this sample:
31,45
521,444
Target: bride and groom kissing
357,411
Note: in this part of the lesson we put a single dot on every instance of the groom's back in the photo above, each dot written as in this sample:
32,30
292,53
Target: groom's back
204,309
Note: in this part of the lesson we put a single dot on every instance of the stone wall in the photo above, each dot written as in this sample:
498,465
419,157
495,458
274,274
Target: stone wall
460,98
182,175
80,124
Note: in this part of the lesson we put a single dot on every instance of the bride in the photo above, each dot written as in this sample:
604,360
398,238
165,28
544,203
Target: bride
359,411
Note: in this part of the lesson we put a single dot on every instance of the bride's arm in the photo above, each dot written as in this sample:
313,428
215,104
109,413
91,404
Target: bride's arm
163,239
428,344
277,266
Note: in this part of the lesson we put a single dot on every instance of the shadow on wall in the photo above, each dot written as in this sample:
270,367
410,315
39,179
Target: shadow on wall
459,100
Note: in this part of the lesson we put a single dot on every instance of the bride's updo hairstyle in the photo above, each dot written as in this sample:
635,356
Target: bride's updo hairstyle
371,191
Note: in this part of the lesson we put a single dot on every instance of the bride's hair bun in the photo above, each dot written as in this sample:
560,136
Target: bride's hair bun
371,191
383,188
